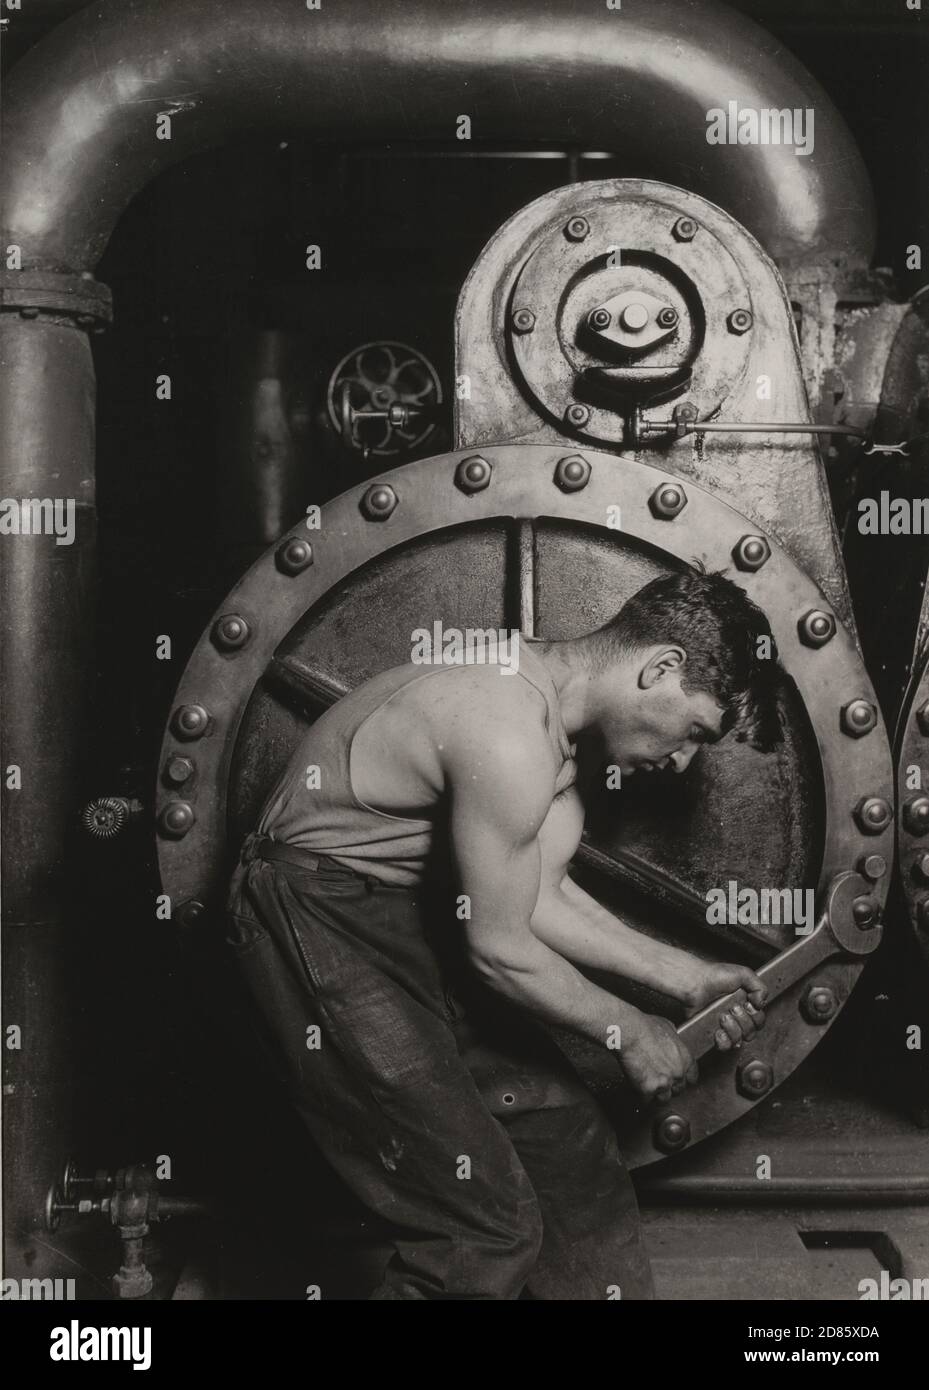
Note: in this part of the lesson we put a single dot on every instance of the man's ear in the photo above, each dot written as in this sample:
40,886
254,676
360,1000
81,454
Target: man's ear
661,662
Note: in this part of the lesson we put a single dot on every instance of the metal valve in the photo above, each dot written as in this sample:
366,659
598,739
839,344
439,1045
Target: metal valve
106,816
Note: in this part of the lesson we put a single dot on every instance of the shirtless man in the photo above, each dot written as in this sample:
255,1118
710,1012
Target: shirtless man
406,1001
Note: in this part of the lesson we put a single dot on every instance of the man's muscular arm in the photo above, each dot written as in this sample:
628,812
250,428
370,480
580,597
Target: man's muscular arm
575,925
501,785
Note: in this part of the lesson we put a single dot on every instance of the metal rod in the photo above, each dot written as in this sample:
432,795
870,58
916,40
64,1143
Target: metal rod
905,1189
742,427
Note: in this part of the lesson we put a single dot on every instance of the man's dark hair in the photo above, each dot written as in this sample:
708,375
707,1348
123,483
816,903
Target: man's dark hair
718,627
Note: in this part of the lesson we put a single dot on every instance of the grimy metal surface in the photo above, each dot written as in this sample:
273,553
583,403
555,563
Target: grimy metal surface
523,382
912,747
79,141
322,595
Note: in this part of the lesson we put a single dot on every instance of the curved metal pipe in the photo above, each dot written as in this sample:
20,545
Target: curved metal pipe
80,120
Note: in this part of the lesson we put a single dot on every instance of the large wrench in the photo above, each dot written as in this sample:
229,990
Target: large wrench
848,926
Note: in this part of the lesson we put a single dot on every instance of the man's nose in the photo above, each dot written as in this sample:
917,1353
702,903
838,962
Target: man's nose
681,760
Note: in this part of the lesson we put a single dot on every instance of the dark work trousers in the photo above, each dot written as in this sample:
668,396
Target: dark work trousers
460,1125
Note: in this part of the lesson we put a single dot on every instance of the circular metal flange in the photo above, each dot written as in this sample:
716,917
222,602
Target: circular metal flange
213,694
912,764
696,277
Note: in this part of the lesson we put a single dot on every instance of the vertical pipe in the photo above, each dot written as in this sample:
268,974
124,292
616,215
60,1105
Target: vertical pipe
46,444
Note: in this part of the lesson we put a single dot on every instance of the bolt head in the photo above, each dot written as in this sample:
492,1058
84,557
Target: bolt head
176,819
866,913
294,556
177,770
577,415
28,313
816,628
190,722
873,815
858,718
916,815
684,229
751,553
874,866
634,317
473,474
922,718
599,318
192,913
819,1004
378,502
739,321
230,633
667,501
670,1133
522,321
667,318
572,473
577,229
754,1079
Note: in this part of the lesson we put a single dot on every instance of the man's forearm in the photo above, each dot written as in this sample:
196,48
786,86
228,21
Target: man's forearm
574,924
544,983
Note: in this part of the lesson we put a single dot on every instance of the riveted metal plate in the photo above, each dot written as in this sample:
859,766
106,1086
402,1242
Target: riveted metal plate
345,599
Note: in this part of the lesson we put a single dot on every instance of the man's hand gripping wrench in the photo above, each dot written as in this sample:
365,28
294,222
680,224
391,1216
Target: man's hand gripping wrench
849,926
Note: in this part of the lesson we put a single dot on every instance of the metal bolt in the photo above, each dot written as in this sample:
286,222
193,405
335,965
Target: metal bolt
916,815
751,553
668,501
634,317
667,318
177,770
294,556
922,718
753,1079
473,474
577,229
191,913
739,321
176,819
190,721
599,318
874,866
522,321
378,502
816,628
819,1004
684,229
858,718
577,415
230,633
28,313
572,473
873,814
865,912
671,1132
921,867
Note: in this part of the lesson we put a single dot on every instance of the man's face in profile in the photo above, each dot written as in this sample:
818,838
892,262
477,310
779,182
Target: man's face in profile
655,723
